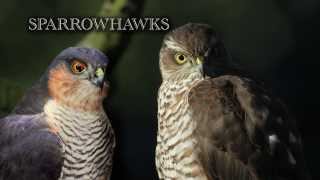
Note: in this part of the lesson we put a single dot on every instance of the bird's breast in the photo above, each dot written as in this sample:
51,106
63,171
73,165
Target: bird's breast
176,153
88,141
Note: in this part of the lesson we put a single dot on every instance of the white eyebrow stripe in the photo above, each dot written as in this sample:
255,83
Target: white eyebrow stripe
171,44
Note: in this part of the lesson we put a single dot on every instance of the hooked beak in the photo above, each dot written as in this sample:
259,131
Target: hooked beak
98,79
197,61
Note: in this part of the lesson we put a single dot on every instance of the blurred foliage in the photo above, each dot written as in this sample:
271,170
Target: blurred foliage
107,40
10,93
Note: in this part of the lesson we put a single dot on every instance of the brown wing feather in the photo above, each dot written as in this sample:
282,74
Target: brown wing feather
236,118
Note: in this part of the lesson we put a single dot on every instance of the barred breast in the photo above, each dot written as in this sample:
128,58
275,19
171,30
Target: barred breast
176,152
88,142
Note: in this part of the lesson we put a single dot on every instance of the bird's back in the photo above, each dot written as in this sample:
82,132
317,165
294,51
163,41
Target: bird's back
28,149
243,132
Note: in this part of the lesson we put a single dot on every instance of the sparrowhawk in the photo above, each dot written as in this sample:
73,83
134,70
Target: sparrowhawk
59,130
215,122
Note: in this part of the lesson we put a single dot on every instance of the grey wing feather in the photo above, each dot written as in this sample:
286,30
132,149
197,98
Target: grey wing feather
236,120
28,149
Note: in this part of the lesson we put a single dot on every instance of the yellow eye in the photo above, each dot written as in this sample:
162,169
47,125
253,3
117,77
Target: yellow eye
180,58
78,67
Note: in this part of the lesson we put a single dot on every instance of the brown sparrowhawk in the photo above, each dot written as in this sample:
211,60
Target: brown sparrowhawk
216,123
59,130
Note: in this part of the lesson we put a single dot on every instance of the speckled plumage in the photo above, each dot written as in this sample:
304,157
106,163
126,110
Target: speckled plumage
59,129
215,123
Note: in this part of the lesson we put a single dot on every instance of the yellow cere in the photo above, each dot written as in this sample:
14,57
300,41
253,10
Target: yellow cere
199,60
99,72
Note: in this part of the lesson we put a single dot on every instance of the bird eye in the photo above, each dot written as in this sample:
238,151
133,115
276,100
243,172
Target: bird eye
78,67
180,58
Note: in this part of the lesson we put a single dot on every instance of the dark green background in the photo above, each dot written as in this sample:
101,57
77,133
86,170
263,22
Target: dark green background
277,40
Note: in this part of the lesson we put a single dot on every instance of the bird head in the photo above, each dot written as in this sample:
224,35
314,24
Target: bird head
76,78
191,49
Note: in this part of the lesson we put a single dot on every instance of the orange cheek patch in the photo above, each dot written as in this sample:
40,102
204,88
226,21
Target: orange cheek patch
59,82
65,89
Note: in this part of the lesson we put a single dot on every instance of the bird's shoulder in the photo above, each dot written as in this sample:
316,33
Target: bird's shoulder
33,99
28,148
243,131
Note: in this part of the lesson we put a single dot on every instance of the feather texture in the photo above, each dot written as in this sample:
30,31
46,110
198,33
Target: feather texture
214,123
29,149
235,120
59,129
